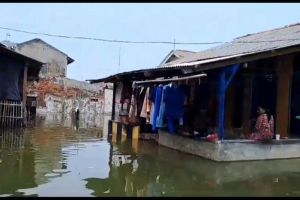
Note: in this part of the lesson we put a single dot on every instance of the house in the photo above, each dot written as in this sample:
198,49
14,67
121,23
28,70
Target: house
175,55
16,69
252,70
55,94
57,61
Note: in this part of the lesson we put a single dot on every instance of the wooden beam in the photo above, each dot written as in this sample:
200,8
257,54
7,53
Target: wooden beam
284,74
170,79
25,90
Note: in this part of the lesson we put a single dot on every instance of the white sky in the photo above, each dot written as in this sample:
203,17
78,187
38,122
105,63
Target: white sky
190,22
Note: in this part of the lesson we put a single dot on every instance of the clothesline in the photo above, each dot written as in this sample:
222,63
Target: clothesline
170,79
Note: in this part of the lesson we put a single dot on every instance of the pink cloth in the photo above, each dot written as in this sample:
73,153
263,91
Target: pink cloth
264,128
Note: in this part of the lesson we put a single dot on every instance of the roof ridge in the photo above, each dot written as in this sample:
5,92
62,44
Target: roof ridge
274,29
70,60
185,50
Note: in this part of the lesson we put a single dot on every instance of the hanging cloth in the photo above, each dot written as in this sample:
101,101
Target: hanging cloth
145,107
160,118
174,105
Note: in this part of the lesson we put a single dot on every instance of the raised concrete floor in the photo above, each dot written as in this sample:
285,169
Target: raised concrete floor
232,150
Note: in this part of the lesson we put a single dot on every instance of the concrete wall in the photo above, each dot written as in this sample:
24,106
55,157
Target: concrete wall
231,150
67,82
119,88
56,61
108,100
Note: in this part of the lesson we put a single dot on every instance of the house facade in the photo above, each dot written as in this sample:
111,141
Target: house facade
15,71
55,97
259,69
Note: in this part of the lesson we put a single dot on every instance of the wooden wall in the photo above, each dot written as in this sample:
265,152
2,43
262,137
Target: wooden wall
284,68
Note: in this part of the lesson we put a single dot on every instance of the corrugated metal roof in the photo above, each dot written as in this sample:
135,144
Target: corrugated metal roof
245,46
187,64
8,50
257,42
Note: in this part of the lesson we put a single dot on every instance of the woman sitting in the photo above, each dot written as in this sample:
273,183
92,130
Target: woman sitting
264,127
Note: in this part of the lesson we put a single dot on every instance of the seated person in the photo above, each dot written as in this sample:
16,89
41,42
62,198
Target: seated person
264,126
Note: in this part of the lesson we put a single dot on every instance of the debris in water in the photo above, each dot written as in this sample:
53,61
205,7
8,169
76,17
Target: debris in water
107,191
275,180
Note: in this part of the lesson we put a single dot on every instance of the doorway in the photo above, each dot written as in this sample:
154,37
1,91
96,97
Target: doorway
264,94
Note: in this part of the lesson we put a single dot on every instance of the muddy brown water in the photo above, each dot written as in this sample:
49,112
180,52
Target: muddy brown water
52,160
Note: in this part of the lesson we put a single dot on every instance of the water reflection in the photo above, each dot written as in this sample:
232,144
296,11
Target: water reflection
157,171
61,161
16,161
67,120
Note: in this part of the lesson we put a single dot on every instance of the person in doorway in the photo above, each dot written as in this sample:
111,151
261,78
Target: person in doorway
264,126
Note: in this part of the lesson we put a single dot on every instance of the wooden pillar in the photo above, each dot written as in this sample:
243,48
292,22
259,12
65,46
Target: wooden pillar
222,92
114,131
247,104
223,85
124,133
25,91
284,73
113,102
229,107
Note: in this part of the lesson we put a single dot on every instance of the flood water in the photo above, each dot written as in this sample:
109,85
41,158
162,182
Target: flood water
52,160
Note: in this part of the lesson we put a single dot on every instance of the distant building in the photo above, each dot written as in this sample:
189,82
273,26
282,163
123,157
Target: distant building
56,60
55,94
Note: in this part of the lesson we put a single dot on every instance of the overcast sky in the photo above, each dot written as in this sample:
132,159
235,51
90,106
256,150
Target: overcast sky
191,22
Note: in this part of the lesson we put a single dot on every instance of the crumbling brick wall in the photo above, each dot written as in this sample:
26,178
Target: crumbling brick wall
69,96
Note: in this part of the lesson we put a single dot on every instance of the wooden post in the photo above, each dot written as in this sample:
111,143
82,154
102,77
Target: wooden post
123,133
284,74
25,91
247,103
114,131
114,102
136,132
223,86
229,108
222,92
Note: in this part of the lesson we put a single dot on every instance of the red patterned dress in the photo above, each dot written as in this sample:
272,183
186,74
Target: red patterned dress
264,128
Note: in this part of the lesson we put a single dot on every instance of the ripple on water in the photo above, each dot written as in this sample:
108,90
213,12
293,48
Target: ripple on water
60,171
52,175
5,195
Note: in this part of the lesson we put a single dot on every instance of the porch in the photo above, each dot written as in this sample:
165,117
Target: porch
232,150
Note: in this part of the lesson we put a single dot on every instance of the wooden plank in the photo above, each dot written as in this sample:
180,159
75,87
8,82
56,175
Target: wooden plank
170,79
284,73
